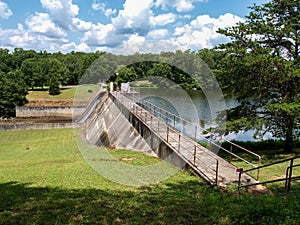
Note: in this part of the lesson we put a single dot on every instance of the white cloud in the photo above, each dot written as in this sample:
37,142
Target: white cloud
81,25
135,8
48,31
134,18
109,12
14,37
139,44
22,38
158,34
62,12
132,23
163,19
98,6
103,35
68,47
82,47
133,29
185,16
179,31
41,23
225,20
5,12
202,32
180,5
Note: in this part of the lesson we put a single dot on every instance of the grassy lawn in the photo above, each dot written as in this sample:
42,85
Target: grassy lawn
66,96
45,180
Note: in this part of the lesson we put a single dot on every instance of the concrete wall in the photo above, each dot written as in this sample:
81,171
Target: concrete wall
55,111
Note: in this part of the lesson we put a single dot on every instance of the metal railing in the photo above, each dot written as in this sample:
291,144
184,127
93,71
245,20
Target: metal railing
176,139
288,176
198,133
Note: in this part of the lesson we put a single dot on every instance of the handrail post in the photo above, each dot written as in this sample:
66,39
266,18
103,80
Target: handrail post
230,154
239,182
217,172
179,143
259,164
167,134
286,178
195,153
160,113
133,95
174,121
290,176
210,141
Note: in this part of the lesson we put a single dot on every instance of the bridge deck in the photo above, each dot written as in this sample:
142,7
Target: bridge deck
207,164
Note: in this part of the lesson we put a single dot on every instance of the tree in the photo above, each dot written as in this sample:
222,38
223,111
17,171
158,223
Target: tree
32,70
5,60
19,55
262,69
12,92
54,86
55,73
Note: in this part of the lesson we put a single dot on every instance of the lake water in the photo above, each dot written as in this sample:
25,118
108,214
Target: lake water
196,107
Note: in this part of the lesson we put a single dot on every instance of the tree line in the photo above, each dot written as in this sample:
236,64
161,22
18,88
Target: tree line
22,70
260,67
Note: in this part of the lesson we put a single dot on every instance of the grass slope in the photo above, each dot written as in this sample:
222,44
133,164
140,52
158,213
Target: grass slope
66,97
44,180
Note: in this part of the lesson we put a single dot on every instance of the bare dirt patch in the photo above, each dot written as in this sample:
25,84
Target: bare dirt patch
48,103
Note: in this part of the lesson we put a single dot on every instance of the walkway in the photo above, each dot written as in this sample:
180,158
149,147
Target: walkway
207,164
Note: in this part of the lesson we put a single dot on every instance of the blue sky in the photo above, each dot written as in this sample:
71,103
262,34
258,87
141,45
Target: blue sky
118,26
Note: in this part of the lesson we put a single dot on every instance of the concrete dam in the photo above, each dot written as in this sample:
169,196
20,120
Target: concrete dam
114,120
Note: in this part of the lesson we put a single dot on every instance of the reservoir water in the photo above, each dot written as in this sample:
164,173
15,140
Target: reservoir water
196,107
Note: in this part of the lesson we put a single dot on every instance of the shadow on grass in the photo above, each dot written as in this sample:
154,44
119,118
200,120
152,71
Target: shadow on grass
170,203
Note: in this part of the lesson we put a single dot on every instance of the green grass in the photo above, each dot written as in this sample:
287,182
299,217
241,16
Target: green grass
44,180
268,173
133,158
66,95
143,83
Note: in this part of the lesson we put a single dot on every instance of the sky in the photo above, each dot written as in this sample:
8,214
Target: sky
118,26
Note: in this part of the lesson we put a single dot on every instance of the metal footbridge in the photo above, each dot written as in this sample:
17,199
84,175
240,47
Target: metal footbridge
183,137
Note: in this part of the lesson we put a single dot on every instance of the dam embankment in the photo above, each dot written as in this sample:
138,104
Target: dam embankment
112,124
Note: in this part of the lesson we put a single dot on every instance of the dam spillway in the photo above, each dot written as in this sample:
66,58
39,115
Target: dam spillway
118,122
